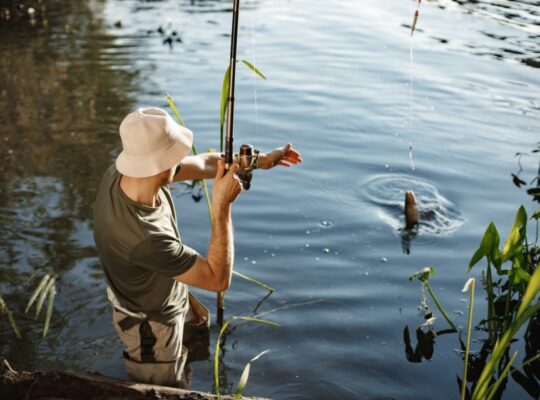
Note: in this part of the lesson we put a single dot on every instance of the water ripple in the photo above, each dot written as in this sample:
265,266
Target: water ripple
438,216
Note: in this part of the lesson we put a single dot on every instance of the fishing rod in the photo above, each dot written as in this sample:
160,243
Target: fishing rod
247,156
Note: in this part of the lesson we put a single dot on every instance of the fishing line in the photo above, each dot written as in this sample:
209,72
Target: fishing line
411,78
254,63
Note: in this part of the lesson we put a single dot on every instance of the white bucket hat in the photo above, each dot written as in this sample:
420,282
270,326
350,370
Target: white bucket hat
152,143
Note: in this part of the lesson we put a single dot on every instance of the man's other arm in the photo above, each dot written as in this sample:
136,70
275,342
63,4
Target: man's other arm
214,273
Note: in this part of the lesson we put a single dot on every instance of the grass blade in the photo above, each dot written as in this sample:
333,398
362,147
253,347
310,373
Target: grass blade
5,309
255,281
38,290
43,295
223,104
170,101
52,293
245,376
253,68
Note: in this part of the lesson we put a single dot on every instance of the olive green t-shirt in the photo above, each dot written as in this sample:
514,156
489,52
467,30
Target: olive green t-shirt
141,251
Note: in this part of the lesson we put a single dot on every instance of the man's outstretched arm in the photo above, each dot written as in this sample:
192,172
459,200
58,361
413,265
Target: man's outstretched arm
204,166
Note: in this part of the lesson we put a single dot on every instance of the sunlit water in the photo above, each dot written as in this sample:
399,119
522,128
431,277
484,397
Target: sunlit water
327,234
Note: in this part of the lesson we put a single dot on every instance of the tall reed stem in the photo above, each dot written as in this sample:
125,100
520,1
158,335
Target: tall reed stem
468,343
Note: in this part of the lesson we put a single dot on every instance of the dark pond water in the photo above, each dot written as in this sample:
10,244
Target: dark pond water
326,234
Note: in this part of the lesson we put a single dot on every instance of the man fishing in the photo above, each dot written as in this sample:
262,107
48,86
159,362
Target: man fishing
146,263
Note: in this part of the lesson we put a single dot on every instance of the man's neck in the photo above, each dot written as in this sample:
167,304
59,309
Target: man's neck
141,190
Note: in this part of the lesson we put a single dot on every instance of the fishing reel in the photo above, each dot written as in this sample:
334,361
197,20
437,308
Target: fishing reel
248,160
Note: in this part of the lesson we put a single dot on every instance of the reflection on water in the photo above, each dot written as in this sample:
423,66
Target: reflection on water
60,95
521,42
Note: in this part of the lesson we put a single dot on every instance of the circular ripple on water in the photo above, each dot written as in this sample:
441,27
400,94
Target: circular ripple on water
438,216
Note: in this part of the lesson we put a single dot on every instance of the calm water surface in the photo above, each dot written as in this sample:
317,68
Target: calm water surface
325,234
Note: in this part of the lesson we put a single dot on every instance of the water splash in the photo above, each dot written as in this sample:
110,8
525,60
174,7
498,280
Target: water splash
438,216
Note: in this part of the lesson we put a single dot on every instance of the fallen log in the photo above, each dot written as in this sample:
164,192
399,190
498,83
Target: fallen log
69,385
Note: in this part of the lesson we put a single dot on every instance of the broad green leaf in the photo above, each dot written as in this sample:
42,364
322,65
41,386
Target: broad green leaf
477,256
489,247
423,274
253,68
519,275
38,290
516,235
245,375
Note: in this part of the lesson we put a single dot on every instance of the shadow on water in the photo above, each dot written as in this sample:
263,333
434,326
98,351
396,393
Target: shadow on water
61,97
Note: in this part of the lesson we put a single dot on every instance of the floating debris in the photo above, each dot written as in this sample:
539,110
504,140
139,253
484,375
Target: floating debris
326,250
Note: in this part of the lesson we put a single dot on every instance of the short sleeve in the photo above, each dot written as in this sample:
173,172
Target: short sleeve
163,254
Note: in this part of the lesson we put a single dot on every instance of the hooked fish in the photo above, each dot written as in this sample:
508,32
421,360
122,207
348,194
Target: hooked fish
411,213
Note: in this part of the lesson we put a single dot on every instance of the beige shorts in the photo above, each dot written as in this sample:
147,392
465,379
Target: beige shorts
169,353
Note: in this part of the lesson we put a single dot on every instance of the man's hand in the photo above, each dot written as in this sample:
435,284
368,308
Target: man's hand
285,156
226,187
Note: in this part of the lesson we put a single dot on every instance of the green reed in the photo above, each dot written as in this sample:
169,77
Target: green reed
245,374
469,286
45,290
4,309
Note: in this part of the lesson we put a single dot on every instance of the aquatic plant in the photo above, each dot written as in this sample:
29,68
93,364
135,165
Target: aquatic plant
423,276
518,291
511,280
45,290
245,374
4,309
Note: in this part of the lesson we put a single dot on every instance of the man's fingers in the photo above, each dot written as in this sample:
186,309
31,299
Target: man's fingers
233,169
220,169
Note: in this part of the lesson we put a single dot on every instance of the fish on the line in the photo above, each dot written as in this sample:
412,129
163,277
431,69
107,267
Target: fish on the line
411,212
